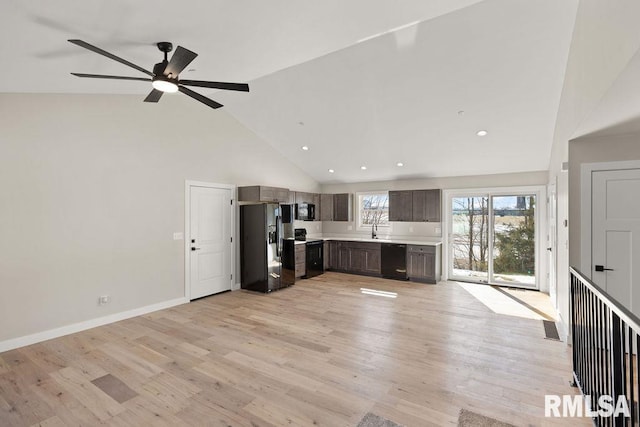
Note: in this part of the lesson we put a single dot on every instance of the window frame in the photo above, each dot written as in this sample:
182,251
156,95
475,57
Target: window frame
358,217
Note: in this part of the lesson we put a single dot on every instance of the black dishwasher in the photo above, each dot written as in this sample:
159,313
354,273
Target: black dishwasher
394,261
314,258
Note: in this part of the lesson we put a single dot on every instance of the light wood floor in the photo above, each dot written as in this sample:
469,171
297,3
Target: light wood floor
320,353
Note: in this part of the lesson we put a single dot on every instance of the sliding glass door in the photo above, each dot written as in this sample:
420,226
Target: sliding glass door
492,238
470,238
514,244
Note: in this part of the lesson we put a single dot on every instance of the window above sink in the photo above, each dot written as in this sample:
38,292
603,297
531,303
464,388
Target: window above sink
372,208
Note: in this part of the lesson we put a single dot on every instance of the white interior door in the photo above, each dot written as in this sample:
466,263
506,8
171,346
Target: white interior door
210,241
615,234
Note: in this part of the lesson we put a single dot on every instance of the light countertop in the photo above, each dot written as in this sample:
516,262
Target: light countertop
370,240
393,240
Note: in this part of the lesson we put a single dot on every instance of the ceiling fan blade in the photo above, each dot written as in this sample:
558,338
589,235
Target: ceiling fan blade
109,55
154,96
217,85
102,76
180,59
210,102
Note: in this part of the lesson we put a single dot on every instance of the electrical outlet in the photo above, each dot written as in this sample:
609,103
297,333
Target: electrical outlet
438,230
104,299
349,227
410,229
178,236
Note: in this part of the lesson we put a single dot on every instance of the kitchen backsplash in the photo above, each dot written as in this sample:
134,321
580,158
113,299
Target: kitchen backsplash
314,228
404,230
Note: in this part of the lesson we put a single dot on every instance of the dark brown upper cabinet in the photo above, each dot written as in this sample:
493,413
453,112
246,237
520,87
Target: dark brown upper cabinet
415,205
401,205
336,207
326,207
261,193
426,205
302,197
342,207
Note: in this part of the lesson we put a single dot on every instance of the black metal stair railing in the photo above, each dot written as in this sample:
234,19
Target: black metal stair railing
606,339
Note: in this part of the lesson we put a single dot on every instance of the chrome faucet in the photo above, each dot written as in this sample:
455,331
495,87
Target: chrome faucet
374,228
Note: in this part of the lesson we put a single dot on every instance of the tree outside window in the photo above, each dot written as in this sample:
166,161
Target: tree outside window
373,208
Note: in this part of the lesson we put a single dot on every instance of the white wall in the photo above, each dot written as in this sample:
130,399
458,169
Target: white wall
605,38
593,150
428,231
92,191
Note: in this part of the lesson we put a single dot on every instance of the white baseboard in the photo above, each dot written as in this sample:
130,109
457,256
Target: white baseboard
564,330
87,324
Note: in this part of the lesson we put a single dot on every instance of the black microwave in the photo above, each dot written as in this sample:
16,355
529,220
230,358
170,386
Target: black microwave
305,211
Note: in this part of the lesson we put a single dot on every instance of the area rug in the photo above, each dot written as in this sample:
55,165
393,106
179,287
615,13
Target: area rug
472,419
373,420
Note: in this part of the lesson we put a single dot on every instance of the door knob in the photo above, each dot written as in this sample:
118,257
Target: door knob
195,249
602,268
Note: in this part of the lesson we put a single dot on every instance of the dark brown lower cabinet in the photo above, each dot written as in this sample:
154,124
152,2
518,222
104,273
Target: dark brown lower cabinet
326,255
301,260
423,263
355,257
365,260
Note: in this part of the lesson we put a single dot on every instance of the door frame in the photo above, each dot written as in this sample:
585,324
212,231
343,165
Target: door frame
187,230
552,207
586,206
540,192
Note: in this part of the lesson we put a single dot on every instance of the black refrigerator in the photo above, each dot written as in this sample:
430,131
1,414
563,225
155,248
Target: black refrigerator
261,234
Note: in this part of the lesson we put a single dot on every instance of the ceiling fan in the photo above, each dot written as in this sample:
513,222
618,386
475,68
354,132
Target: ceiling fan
165,75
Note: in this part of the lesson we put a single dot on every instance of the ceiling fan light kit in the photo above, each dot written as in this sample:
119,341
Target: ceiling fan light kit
164,84
165,75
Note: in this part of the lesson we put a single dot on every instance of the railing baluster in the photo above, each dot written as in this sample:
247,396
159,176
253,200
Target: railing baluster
608,371
592,349
616,357
636,384
606,343
600,354
631,373
578,333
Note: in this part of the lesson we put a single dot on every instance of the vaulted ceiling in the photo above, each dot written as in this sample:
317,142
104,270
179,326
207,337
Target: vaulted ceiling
360,82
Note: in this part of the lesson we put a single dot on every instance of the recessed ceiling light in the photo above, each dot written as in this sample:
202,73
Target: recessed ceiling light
364,168
482,133
305,148
400,164
331,171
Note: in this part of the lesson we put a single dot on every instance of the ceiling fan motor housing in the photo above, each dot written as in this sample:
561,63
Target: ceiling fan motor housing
165,47
158,69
